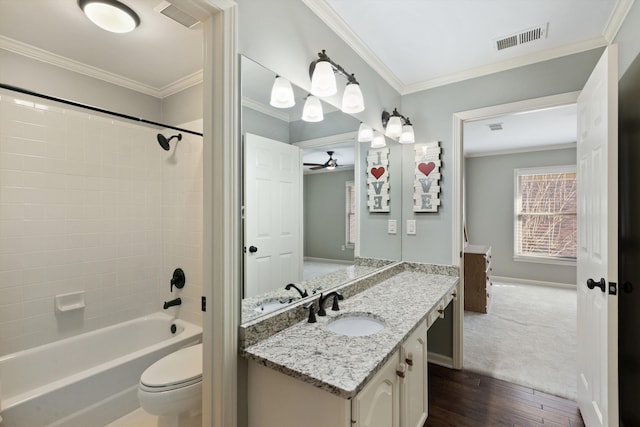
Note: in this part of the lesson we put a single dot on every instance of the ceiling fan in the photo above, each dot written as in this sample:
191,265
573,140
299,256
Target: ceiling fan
329,164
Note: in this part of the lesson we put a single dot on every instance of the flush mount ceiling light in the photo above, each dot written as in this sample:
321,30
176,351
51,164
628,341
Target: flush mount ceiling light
323,83
312,110
282,93
110,15
398,126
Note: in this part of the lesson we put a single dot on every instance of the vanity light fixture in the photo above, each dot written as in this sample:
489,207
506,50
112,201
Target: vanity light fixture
398,126
282,93
378,140
110,15
312,110
323,83
365,133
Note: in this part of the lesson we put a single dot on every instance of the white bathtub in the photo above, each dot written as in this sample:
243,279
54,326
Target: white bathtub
90,379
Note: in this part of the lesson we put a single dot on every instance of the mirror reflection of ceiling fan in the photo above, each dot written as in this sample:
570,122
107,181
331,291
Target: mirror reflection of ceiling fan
329,164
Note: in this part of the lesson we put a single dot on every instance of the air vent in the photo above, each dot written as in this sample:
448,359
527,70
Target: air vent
495,126
522,37
181,17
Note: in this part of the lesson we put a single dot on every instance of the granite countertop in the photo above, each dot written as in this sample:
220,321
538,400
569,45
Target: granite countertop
340,364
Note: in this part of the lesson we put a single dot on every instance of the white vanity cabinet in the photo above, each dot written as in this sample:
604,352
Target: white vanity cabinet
387,400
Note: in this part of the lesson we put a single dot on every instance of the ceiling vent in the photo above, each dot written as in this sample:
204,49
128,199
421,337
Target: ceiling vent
180,16
522,37
495,126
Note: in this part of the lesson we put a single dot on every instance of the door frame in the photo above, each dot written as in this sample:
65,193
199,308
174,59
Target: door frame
457,256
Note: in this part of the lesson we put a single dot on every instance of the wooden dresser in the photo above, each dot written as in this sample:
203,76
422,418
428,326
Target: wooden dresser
477,278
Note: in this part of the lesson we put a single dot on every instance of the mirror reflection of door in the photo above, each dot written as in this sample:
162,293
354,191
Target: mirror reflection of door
272,215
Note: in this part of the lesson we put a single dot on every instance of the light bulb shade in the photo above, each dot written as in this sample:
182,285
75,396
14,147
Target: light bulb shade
323,80
378,140
282,94
394,127
365,133
312,111
110,15
407,136
352,100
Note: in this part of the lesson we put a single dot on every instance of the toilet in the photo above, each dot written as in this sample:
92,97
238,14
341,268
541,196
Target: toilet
171,388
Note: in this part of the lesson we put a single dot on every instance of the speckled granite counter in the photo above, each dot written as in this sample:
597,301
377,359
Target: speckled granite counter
340,364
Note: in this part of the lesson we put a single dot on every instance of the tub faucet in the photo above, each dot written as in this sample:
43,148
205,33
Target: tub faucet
337,295
302,294
171,303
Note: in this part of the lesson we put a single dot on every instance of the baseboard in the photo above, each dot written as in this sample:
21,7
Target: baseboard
335,261
532,282
441,360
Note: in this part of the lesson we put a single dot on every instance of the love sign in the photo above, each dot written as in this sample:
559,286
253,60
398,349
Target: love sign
426,187
378,180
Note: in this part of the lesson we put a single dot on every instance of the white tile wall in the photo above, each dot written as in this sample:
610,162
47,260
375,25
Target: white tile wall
89,203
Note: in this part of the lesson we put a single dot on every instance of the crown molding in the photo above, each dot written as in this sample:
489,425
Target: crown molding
522,61
618,15
47,57
325,12
522,150
264,109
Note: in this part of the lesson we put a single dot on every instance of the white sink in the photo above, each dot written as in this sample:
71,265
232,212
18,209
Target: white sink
356,324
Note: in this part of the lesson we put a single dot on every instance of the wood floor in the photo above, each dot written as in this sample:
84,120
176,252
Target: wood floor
461,398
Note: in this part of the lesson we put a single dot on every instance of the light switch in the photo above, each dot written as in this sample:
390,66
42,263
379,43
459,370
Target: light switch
392,226
411,226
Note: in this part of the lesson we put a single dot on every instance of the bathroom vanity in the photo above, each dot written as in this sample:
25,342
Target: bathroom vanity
317,374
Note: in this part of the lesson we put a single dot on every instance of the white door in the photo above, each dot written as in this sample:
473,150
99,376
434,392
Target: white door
598,244
273,214
378,403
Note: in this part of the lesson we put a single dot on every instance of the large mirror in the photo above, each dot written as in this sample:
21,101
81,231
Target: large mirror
305,211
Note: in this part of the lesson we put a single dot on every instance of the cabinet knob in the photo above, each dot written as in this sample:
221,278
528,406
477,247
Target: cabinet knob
409,359
401,369
454,295
441,313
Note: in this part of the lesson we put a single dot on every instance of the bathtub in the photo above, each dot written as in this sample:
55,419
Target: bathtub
90,379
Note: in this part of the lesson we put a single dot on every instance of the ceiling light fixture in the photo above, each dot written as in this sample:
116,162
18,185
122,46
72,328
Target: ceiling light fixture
282,93
398,126
365,133
312,110
110,15
323,83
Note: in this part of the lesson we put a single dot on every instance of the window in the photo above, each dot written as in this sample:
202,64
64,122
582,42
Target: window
545,214
351,214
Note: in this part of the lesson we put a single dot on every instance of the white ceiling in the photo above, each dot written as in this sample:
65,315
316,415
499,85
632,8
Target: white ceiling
413,44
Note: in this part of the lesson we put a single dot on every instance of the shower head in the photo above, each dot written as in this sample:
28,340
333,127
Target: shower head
164,142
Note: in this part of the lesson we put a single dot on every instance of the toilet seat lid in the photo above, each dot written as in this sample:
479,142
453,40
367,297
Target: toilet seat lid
184,365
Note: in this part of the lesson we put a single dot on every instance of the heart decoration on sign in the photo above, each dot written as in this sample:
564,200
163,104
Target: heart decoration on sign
377,172
426,168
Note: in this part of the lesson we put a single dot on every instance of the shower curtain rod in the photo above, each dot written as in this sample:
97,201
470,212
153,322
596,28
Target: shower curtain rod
92,108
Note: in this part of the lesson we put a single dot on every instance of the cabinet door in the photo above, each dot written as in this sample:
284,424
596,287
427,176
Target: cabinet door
377,405
414,391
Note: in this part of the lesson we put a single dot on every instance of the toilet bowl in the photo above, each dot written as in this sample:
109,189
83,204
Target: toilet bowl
171,388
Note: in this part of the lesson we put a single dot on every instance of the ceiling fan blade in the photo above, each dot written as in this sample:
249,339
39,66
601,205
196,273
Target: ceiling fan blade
318,167
313,164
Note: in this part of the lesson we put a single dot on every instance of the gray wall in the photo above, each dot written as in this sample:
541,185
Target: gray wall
325,215
489,211
184,106
261,124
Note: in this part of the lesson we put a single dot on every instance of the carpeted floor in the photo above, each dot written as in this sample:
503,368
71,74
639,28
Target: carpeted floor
528,338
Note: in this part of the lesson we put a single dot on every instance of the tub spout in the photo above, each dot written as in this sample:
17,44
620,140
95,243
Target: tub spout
171,303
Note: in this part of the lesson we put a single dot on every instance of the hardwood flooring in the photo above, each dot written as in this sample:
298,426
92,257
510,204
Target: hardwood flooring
461,399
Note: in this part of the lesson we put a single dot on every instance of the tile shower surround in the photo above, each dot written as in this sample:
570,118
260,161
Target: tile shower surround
94,204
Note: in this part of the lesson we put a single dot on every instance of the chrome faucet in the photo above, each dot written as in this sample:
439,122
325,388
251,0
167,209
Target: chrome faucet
302,294
337,295
172,303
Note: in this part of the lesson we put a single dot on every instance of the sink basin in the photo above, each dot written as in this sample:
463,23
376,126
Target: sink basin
356,324
273,304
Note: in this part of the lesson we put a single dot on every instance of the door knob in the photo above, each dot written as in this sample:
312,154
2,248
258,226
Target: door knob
253,249
602,284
